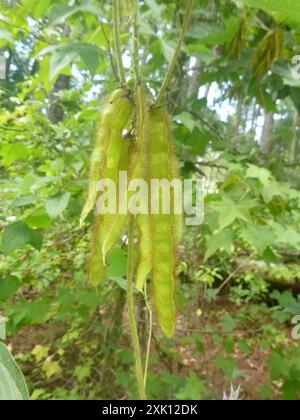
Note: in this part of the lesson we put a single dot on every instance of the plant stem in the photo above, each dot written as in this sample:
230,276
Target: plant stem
131,310
116,31
149,336
170,70
136,43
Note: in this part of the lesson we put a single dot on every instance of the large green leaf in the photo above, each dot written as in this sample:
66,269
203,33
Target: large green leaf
8,286
286,9
25,200
4,34
8,388
39,219
57,204
60,12
260,237
65,54
10,152
18,234
12,382
229,211
222,240
118,263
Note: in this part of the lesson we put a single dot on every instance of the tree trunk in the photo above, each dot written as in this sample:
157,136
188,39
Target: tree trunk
194,84
56,111
239,115
266,137
295,139
255,115
245,119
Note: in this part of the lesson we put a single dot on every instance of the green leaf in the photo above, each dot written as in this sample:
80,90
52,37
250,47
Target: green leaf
146,29
28,314
204,31
12,152
295,95
228,323
284,70
155,8
229,211
24,201
60,12
284,9
65,54
269,191
118,263
222,240
279,365
260,237
2,328
36,239
12,382
39,219
167,50
60,59
193,389
8,388
228,366
288,236
120,281
8,287
197,140
57,204
262,174
4,34
88,298
186,119
206,54
18,234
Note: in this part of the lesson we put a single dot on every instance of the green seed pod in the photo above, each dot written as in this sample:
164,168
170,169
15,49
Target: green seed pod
137,160
110,155
96,266
166,228
142,170
106,153
158,234
113,225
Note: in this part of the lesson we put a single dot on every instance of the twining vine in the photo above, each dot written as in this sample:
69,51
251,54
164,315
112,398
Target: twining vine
152,238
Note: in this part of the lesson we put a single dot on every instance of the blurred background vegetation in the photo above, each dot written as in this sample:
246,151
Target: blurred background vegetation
235,107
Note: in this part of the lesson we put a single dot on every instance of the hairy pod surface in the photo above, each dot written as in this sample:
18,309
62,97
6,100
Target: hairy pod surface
107,149
166,228
142,170
158,234
150,157
110,155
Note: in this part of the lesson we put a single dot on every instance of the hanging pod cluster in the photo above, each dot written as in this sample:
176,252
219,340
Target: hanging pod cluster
268,51
150,156
110,155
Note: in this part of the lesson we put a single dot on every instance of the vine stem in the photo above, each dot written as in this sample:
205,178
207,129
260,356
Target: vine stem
136,43
117,42
131,310
149,334
172,65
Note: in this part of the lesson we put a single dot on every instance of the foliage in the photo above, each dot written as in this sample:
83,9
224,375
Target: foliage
239,270
12,383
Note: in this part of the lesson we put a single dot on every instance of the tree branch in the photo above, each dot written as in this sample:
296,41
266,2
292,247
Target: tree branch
177,51
116,31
